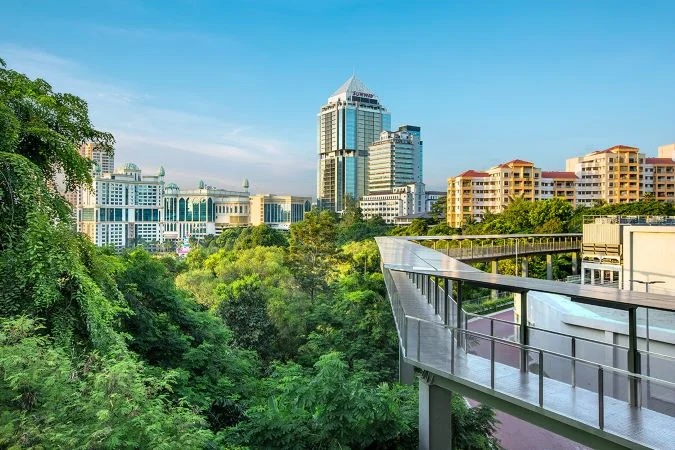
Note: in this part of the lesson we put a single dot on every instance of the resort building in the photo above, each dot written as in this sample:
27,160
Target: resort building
123,208
278,211
347,125
203,211
395,159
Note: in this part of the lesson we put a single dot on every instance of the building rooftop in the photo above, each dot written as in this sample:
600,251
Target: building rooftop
659,161
554,174
515,162
616,147
472,173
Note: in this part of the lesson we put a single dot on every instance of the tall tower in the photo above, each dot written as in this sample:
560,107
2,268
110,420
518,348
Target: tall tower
351,121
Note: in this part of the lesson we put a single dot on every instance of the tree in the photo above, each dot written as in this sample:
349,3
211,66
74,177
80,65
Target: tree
243,307
329,406
438,209
47,127
312,251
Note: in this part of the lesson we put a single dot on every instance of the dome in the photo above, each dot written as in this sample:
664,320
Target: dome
173,186
201,184
245,183
161,171
128,167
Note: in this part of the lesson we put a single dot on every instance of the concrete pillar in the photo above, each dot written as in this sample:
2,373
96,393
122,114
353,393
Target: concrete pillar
592,277
611,276
526,264
549,267
406,372
575,263
583,275
602,276
435,420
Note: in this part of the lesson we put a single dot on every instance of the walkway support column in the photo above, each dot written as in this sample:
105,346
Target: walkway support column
549,266
575,263
406,372
526,266
435,420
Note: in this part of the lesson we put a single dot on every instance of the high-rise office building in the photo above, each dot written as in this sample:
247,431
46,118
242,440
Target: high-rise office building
395,159
351,121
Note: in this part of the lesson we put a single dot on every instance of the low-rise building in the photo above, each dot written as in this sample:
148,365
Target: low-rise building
278,211
399,201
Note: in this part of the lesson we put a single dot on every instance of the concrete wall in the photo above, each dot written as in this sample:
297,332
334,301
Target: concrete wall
648,256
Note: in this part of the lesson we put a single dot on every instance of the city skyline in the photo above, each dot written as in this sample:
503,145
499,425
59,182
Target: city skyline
181,90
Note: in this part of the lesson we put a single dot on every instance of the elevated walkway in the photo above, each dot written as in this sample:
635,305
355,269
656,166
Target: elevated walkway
589,402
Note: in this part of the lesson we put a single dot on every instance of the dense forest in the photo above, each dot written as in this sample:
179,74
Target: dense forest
258,339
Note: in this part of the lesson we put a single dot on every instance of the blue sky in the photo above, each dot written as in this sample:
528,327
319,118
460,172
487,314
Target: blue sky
224,90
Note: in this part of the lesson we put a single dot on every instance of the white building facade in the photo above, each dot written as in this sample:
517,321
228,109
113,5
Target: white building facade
122,209
395,159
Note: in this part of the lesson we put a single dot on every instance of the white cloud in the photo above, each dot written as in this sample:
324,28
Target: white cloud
190,145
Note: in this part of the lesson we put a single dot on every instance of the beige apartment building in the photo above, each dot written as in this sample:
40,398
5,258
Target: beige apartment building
613,175
659,178
472,193
558,185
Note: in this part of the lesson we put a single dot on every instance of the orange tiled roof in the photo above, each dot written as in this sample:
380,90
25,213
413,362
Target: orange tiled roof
659,161
515,161
616,147
472,173
570,175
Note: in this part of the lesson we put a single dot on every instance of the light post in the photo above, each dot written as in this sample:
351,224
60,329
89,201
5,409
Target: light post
647,283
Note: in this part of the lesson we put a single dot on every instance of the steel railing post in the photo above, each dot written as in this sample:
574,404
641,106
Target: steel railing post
452,351
601,398
541,378
574,361
405,336
492,364
419,334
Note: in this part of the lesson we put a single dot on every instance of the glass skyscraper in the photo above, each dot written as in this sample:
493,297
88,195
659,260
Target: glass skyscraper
350,122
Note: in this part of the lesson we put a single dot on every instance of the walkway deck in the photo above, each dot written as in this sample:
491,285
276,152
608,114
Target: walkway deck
433,347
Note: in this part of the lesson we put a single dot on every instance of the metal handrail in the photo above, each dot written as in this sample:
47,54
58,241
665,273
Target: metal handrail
571,337
549,352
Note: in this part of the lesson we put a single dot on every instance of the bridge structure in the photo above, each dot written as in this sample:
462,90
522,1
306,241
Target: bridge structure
493,247
500,363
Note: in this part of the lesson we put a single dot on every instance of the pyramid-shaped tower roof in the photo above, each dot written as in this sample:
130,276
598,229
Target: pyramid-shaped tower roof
349,87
